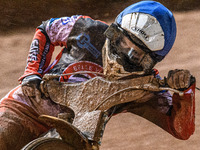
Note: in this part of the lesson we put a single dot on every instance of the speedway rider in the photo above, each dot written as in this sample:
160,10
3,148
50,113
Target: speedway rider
143,34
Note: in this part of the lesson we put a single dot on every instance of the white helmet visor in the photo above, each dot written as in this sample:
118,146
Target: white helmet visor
146,28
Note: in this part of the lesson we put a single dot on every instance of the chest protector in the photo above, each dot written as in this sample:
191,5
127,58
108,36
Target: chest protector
84,43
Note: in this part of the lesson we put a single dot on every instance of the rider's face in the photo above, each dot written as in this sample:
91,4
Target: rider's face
134,53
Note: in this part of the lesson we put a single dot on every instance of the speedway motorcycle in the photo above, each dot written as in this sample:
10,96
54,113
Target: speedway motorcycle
89,102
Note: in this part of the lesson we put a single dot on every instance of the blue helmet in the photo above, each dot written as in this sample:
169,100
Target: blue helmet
152,23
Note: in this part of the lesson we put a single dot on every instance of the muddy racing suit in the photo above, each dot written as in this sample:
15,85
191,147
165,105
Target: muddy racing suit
82,39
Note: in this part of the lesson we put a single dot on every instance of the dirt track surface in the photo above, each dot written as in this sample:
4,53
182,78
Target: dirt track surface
125,131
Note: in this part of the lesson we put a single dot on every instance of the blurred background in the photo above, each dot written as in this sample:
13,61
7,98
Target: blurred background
17,14
19,18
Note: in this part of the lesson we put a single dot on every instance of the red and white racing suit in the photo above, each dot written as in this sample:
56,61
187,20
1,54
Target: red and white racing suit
82,39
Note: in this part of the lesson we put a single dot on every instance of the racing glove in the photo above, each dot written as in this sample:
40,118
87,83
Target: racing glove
179,79
31,86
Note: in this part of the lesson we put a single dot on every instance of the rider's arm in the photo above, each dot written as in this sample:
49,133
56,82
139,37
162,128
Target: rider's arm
175,114
181,121
49,34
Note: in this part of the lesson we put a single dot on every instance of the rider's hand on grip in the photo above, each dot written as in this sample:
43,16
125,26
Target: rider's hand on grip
31,86
179,79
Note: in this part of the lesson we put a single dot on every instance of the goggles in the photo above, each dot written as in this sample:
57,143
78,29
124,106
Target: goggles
131,51
114,31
